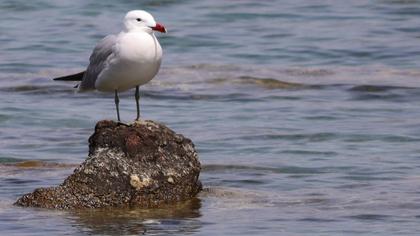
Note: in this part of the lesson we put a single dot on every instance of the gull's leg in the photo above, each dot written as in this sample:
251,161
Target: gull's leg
117,102
137,96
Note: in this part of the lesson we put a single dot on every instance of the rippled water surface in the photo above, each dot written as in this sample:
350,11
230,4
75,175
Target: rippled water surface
305,114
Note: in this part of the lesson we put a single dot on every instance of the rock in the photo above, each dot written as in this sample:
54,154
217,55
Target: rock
144,164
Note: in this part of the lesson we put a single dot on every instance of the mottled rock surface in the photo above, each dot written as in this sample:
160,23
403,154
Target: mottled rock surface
143,164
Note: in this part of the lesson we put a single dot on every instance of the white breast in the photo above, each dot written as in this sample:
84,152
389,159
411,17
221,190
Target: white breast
135,61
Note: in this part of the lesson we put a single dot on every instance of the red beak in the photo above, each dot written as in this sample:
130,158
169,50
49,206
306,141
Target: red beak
159,28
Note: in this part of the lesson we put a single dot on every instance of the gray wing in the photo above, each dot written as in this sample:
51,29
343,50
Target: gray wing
97,61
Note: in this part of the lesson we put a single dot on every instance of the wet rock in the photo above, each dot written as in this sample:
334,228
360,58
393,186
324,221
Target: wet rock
143,164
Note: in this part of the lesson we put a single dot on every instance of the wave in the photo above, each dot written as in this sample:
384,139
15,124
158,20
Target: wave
228,82
268,83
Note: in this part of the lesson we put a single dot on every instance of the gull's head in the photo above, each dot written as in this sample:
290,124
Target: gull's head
139,20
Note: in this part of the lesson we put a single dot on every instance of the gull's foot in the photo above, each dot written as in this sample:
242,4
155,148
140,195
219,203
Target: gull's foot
122,123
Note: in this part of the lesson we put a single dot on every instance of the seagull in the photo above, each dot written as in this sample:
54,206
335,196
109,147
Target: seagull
124,61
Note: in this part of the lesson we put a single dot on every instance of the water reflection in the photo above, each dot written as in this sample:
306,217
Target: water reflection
179,218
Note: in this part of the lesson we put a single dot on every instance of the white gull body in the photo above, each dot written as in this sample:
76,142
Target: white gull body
136,60
124,61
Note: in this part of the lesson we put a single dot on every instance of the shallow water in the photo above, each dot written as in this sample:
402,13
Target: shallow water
304,114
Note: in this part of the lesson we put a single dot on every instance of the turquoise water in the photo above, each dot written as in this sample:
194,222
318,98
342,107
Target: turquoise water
304,114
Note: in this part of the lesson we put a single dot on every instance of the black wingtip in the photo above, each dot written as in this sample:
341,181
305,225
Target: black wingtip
74,77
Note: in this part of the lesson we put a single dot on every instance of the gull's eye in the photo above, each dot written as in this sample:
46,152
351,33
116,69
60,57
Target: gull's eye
138,19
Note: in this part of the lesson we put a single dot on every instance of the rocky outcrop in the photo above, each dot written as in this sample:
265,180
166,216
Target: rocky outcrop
142,164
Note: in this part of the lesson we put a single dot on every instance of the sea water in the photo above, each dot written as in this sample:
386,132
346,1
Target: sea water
305,114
